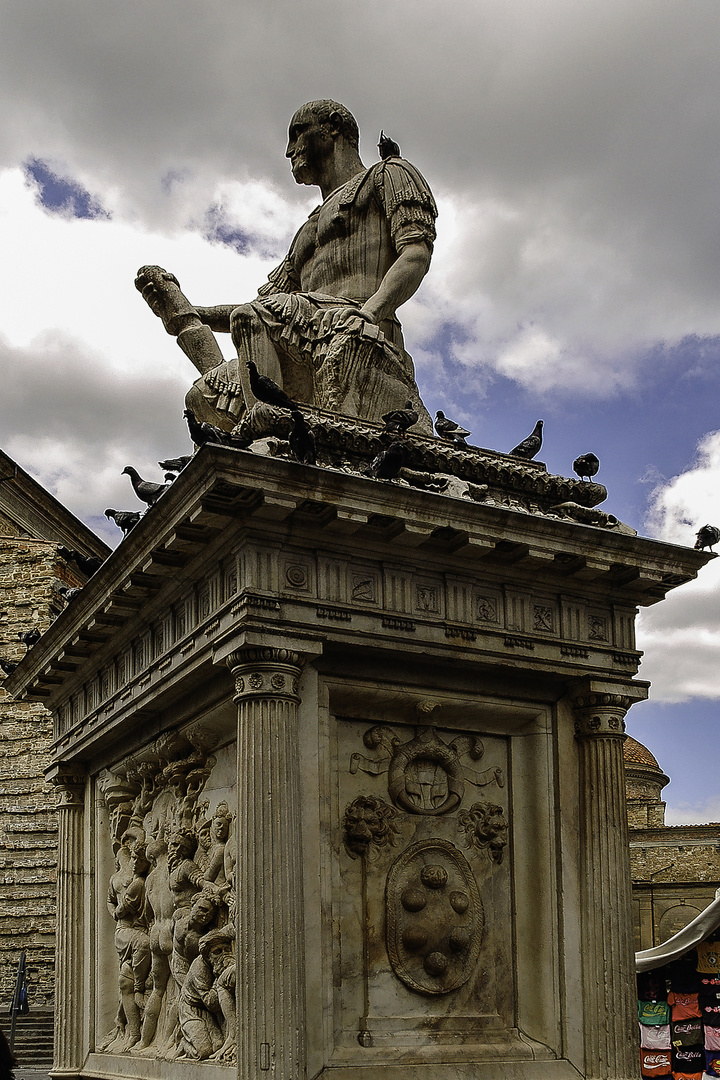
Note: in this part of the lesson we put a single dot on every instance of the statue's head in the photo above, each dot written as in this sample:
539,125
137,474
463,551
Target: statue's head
313,135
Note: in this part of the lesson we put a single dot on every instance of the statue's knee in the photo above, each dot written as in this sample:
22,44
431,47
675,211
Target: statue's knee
243,320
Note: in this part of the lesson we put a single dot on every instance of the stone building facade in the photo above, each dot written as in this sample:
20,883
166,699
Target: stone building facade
32,525
675,868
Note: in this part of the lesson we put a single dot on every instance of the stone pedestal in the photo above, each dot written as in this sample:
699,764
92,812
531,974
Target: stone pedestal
401,835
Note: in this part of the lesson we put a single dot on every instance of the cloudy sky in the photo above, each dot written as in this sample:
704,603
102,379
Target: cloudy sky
574,150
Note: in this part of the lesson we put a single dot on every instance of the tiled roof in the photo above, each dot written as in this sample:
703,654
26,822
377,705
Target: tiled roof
637,754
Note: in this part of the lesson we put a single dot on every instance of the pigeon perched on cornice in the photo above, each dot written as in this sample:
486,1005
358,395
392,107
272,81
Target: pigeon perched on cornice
449,430
586,465
69,594
87,564
29,638
8,666
145,490
529,447
124,519
175,464
302,440
707,537
387,147
388,463
268,391
202,432
397,421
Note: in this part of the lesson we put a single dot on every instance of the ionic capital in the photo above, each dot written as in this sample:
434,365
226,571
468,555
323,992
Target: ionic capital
69,781
265,671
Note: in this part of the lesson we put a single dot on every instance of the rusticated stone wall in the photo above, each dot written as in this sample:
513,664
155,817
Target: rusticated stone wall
28,825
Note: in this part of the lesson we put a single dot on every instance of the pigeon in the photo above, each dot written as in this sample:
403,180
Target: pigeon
302,440
175,464
529,447
268,391
586,465
69,594
124,519
387,147
8,666
87,564
397,421
145,490
388,463
202,432
707,537
450,431
29,638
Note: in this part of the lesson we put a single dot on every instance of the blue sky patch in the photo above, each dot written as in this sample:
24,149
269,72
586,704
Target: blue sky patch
61,194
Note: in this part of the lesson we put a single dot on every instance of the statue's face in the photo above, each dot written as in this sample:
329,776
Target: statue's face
310,145
203,912
220,828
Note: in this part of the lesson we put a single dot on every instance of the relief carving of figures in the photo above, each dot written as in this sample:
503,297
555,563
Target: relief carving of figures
173,903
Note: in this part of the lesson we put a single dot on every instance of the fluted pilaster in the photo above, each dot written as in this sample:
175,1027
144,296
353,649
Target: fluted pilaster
271,963
610,1010
69,940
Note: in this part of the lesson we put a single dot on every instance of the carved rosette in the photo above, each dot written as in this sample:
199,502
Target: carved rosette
265,672
607,938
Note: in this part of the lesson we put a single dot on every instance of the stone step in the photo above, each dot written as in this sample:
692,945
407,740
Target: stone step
34,1039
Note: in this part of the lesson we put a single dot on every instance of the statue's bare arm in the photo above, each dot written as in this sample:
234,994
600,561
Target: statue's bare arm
402,281
163,295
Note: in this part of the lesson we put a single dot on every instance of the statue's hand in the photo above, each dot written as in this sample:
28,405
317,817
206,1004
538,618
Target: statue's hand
336,319
161,291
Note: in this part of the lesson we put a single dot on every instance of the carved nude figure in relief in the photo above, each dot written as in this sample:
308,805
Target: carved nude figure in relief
172,900
324,325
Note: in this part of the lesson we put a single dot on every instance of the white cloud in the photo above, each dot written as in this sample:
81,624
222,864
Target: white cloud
681,636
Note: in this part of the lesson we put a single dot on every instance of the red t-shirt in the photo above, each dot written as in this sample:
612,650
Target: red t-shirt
684,1006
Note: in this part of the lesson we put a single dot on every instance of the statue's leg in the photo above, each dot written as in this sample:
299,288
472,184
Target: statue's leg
253,342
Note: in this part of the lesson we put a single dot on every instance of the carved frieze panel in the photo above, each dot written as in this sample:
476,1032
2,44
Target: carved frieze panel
488,607
598,627
434,917
297,575
171,899
364,586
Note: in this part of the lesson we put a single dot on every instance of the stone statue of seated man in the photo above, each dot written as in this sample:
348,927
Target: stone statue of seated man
324,326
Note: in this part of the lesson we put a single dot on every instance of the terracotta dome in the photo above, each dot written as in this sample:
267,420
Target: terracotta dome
636,754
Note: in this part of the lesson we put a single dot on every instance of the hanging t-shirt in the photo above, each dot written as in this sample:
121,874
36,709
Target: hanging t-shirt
708,956
688,1060
710,984
710,1010
683,973
653,1012
652,985
687,1032
712,1063
655,1063
656,1036
683,1006
712,1037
